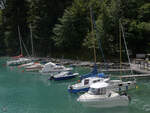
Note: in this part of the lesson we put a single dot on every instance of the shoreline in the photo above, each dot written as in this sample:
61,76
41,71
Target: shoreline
62,61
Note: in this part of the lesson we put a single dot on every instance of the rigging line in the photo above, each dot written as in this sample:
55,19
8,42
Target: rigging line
93,34
120,45
20,40
126,47
2,4
31,39
25,48
100,45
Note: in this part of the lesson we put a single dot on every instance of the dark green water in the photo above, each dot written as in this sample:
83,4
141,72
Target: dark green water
22,92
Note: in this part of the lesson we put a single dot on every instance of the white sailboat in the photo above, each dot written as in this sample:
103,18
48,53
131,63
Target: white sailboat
100,96
18,60
84,85
121,86
116,85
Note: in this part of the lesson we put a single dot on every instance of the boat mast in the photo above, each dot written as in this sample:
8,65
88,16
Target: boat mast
92,33
126,47
21,50
2,3
120,45
31,40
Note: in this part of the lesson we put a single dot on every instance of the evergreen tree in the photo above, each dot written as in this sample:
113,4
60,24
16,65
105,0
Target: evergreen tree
15,15
2,44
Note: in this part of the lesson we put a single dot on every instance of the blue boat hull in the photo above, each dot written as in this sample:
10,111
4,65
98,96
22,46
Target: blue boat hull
78,90
64,78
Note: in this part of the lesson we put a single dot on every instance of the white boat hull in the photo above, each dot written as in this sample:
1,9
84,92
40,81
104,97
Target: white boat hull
138,69
122,101
18,62
25,65
99,101
35,67
53,68
124,86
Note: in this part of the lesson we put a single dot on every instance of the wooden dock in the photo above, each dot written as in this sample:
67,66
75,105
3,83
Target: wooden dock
115,70
136,76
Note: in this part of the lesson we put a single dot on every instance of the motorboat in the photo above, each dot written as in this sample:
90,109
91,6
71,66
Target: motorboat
85,83
64,75
18,61
52,68
34,67
100,96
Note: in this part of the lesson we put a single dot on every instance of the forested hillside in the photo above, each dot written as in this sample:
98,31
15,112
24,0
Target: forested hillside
63,27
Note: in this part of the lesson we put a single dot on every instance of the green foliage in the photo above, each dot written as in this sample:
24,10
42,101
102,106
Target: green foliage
144,12
72,27
66,25
13,16
2,44
41,14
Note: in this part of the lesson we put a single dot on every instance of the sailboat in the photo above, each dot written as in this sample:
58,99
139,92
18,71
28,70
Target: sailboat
92,77
31,65
94,72
85,83
119,85
133,82
18,60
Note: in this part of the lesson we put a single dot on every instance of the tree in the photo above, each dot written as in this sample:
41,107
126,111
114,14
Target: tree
72,27
43,16
2,44
14,15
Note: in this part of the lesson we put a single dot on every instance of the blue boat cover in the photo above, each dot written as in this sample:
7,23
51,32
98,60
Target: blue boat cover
94,73
102,75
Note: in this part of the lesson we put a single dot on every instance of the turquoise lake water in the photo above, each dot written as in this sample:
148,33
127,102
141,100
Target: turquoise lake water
22,92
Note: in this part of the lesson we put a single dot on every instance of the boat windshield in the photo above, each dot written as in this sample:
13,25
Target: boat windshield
96,81
86,81
97,91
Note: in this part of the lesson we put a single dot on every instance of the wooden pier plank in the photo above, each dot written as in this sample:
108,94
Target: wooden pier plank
137,75
115,70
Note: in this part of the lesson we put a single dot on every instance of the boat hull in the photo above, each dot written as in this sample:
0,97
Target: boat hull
138,69
18,62
106,103
64,78
78,90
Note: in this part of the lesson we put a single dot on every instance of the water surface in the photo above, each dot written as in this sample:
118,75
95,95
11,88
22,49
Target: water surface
22,92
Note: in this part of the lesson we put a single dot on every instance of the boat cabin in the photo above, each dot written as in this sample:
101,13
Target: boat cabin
91,80
114,82
51,66
98,88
